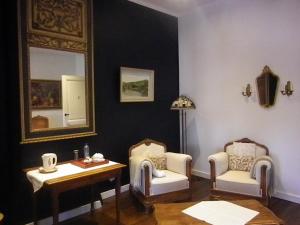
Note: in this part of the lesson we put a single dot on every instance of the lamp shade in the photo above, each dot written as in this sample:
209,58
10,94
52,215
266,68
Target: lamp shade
182,102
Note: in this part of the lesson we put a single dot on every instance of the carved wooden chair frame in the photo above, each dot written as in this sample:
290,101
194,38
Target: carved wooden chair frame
148,200
218,194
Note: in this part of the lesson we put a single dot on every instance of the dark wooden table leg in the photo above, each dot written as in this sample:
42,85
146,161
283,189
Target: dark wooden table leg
92,199
55,206
34,204
101,200
118,189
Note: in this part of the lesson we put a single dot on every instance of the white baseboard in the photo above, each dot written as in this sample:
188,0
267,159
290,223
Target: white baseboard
287,196
111,192
199,173
81,209
278,194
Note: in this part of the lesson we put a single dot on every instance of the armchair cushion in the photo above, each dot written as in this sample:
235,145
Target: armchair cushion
159,160
171,182
144,150
242,163
176,162
259,150
221,162
244,149
238,182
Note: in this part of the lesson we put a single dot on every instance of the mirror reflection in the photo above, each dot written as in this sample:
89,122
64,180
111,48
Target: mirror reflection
57,89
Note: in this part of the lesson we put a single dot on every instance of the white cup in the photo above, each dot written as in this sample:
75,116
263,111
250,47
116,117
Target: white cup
49,161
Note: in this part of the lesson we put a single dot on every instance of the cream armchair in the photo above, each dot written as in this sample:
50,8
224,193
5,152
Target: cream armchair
150,185
243,170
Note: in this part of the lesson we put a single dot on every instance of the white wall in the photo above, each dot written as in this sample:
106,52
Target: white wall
222,47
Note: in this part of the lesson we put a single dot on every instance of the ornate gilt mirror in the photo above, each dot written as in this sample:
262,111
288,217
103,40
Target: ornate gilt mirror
267,84
56,69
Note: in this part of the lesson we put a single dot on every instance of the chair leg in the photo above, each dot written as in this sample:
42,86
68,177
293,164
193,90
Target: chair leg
148,209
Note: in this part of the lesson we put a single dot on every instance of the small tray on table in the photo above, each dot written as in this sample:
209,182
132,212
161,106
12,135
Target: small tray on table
85,165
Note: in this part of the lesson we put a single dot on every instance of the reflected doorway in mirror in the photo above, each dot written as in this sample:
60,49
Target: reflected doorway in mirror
74,100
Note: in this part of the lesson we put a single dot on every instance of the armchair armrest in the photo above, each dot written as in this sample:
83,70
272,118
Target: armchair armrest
146,177
140,173
260,167
261,172
220,161
178,162
144,166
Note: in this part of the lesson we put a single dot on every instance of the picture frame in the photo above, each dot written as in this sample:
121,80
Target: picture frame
45,94
136,85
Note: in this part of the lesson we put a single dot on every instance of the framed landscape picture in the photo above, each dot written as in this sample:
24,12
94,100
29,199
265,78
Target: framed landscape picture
46,94
136,85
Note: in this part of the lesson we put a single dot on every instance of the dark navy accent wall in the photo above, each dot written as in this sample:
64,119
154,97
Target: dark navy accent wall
4,161
125,34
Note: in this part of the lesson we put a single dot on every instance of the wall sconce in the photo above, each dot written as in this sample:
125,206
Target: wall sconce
288,90
248,91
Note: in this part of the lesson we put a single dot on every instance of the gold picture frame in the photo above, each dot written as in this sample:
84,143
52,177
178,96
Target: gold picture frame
136,85
46,94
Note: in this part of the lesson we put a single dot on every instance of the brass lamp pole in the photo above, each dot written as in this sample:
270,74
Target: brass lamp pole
182,104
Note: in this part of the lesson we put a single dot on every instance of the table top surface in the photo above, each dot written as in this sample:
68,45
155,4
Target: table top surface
170,214
102,170
90,172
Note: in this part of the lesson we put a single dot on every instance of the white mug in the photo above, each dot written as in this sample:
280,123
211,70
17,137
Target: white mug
49,161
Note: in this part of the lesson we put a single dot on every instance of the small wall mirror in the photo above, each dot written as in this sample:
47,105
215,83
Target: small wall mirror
56,69
267,84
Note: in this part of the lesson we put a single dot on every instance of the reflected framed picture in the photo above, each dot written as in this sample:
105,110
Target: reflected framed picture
46,94
136,85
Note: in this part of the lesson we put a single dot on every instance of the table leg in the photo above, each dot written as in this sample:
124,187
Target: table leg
117,190
101,199
34,204
92,198
55,206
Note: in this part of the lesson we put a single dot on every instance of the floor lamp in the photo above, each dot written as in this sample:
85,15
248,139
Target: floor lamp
182,104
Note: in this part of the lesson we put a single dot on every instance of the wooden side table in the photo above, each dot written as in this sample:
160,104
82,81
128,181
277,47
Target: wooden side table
88,178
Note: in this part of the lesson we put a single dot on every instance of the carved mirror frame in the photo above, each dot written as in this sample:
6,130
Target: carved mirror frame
267,85
35,32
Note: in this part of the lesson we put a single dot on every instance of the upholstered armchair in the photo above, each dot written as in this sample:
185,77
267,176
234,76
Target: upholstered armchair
243,170
151,182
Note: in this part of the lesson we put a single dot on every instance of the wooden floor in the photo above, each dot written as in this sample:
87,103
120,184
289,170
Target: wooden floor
132,213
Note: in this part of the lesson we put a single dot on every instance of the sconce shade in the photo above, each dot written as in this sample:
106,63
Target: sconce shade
182,102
